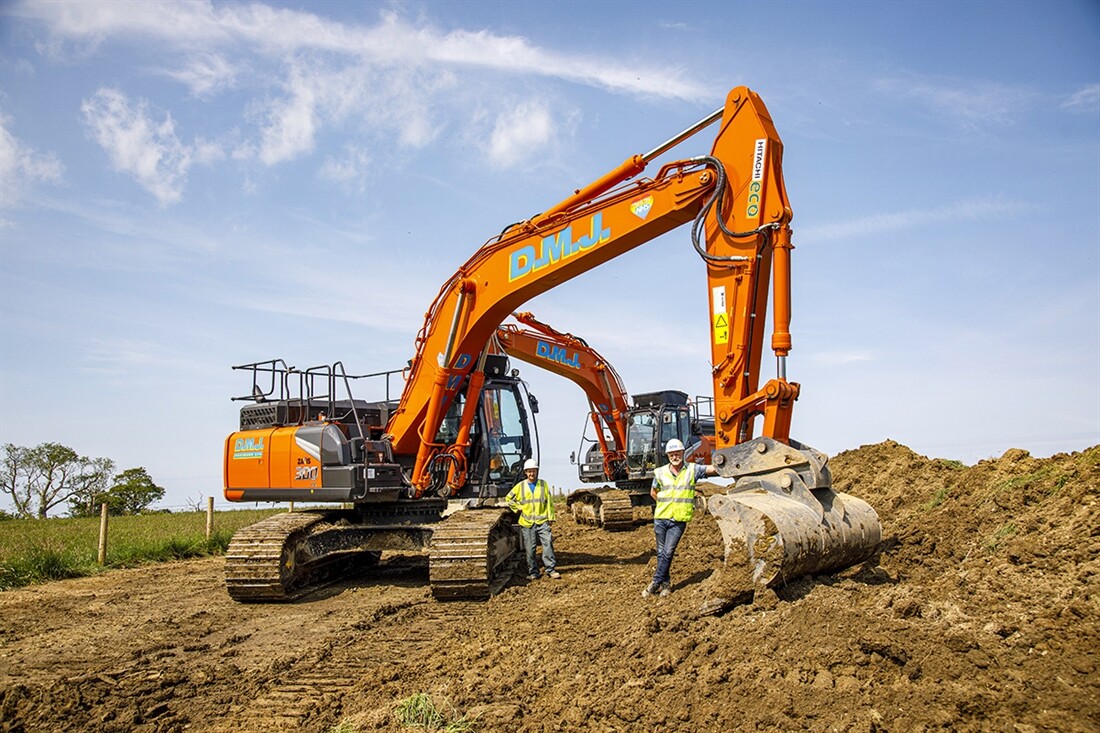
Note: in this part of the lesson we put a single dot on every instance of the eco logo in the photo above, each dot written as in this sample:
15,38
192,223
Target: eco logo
756,185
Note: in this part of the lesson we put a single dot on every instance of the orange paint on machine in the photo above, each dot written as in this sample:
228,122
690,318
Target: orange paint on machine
262,459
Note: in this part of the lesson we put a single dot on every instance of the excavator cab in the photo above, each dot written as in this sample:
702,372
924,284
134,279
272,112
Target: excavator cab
502,436
507,439
657,417
654,419
590,466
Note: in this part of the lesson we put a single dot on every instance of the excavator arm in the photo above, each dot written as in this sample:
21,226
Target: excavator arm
736,199
571,357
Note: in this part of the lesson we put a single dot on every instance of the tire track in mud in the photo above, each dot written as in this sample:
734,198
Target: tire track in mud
309,692
967,627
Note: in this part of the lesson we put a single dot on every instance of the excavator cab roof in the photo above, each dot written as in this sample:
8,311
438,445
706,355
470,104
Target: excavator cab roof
671,397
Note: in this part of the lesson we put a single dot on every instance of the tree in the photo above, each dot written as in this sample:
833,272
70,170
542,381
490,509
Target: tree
40,478
134,491
131,492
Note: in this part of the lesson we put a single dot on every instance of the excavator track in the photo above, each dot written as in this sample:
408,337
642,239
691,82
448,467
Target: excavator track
605,507
473,554
270,561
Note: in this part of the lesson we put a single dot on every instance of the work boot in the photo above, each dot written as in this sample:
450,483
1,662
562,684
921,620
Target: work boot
665,590
532,576
651,590
553,574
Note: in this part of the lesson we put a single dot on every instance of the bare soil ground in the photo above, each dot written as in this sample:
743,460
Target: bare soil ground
980,615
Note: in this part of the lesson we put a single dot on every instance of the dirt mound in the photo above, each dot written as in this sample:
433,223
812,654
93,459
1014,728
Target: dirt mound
980,614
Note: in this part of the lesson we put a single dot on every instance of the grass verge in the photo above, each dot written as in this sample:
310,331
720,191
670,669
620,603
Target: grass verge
39,550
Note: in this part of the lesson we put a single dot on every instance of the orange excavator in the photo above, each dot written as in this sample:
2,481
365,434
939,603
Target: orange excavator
629,440
395,463
571,357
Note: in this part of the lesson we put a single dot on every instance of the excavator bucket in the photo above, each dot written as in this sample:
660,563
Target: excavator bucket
782,520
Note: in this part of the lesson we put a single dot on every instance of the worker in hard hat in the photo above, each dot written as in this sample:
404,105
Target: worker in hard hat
531,500
674,491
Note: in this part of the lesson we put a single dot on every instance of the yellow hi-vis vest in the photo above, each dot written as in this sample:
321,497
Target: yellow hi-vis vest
533,506
676,495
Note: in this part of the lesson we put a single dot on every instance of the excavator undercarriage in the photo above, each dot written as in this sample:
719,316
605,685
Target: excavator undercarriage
471,553
608,507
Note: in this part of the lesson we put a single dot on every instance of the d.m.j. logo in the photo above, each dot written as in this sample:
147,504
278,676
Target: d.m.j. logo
555,248
558,354
248,448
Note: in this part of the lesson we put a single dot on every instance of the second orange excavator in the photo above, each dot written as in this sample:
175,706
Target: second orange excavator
630,437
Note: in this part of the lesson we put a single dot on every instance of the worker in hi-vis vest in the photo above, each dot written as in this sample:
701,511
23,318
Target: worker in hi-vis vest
531,500
674,491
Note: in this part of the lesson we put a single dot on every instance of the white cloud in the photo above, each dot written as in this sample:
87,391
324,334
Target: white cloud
349,170
519,133
291,124
1084,100
971,105
398,79
147,151
206,75
976,209
201,27
21,166
207,152
394,106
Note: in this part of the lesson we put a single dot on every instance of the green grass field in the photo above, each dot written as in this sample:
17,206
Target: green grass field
37,550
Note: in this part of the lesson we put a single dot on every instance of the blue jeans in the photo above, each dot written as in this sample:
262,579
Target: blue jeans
668,532
538,534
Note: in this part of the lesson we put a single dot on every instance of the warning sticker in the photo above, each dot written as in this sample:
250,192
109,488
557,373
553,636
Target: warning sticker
721,328
721,320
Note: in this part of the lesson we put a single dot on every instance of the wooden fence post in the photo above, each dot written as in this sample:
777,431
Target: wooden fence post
103,535
209,516
290,507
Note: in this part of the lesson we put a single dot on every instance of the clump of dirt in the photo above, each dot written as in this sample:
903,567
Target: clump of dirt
980,613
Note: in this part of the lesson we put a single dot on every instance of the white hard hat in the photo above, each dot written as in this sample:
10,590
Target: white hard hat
674,444
530,463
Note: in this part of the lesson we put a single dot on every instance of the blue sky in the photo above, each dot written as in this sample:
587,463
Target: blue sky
187,186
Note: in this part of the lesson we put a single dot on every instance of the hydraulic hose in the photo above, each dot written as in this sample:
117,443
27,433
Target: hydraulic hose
715,202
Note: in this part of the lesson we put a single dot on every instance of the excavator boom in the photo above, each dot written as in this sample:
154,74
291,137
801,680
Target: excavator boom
737,200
